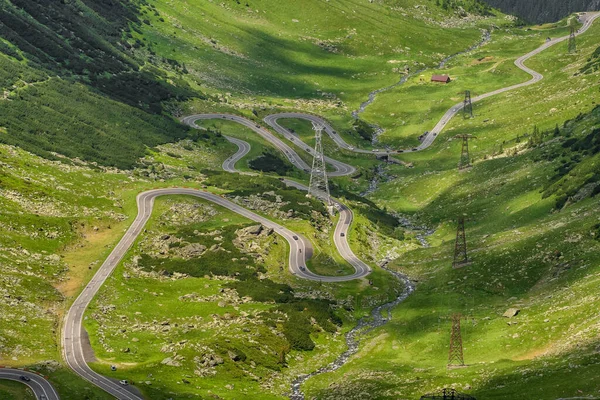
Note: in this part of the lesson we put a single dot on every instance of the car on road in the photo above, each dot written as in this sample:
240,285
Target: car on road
25,378
302,268
399,151
295,237
350,148
124,382
342,234
375,150
415,149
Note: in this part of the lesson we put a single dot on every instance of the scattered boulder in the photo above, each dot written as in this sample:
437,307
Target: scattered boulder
251,230
172,361
511,312
234,356
192,250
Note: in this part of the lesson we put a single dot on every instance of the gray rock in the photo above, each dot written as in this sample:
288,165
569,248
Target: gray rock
233,356
511,312
171,362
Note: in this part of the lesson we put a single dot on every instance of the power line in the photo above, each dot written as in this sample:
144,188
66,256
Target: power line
319,185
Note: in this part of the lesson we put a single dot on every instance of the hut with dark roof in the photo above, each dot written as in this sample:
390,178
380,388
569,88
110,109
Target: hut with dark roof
440,78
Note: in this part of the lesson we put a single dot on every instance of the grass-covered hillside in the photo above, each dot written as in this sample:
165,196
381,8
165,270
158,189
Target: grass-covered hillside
203,305
531,207
117,71
309,50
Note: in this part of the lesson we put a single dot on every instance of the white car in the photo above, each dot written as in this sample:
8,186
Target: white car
124,382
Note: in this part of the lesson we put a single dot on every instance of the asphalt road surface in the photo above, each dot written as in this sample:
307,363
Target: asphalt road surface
340,168
299,248
42,389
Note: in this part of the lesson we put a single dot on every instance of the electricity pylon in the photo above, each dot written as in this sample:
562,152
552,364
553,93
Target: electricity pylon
455,355
467,105
460,246
319,185
465,160
572,42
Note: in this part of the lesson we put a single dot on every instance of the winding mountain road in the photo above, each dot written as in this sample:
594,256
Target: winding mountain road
42,389
300,248
341,169
587,19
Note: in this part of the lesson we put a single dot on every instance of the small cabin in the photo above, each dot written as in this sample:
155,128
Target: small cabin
440,78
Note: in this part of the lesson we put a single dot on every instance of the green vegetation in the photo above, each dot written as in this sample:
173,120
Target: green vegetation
269,161
162,328
530,202
364,130
329,53
409,110
10,390
593,63
203,304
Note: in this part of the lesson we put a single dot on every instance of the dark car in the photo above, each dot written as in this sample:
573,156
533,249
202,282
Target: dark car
25,378
342,234
399,151
415,149
302,268
295,237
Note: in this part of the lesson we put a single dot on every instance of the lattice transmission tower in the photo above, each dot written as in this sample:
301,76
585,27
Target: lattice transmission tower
319,185
455,354
465,160
572,41
460,246
447,394
467,105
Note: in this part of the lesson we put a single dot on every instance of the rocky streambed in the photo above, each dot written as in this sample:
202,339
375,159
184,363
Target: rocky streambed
379,316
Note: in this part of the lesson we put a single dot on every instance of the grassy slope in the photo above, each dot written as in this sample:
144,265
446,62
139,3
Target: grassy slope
414,108
525,255
58,221
289,65
69,86
132,293
301,50
10,390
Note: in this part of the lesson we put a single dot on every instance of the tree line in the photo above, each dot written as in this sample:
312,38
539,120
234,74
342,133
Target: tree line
540,11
